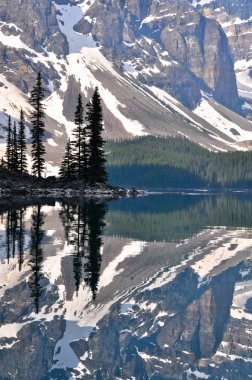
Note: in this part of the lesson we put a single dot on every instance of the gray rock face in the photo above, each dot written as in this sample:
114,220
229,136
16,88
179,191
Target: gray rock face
236,20
235,17
169,44
36,24
242,9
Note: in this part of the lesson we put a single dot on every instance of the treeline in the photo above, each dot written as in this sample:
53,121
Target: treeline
84,157
174,162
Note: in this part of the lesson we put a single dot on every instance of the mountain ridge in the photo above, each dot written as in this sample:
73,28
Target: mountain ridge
79,62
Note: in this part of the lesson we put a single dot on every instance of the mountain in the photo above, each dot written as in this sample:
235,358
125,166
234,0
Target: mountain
235,18
162,68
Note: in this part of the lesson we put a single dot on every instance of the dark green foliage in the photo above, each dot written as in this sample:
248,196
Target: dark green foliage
156,177
2,163
97,170
8,153
156,162
14,150
67,164
80,143
38,127
21,144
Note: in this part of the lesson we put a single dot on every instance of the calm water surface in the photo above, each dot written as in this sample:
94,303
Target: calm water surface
156,287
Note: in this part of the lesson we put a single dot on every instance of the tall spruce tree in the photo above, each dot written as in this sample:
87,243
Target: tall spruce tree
67,164
97,171
38,127
8,153
21,144
2,163
77,136
14,165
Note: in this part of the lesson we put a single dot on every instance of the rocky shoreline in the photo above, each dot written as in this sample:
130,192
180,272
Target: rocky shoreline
16,184
106,191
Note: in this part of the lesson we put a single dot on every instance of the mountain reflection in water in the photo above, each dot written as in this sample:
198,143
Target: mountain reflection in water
156,287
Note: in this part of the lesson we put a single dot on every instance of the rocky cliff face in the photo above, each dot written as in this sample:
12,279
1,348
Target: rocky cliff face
168,44
35,29
37,24
236,20
138,53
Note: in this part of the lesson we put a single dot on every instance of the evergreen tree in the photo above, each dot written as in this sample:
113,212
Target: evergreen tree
3,163
8,153
14,165
97,171
38,127
67,164
22,160
78,134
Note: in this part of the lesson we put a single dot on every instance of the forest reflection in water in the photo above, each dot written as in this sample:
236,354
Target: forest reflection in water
85,282
84,222
83,225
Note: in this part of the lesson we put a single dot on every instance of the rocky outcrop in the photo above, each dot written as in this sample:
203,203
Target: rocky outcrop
236,19
168,44
35,26
37,23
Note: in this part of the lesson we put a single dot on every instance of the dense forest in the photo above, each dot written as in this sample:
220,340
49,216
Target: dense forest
174,162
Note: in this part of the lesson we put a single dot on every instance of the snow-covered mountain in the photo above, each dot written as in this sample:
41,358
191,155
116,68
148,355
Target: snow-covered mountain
162,68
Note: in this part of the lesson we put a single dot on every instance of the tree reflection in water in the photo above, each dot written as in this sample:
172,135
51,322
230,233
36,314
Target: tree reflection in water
14,232
83,225
36,253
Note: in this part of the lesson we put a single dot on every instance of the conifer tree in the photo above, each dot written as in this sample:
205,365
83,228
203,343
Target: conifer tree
22,160
97,171
3,163
38,127
8,153
78,136
67,164
14,165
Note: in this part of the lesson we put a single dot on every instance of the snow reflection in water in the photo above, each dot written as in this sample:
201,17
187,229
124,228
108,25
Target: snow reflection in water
154,287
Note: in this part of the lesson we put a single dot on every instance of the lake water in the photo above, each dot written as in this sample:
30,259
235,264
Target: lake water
154,287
